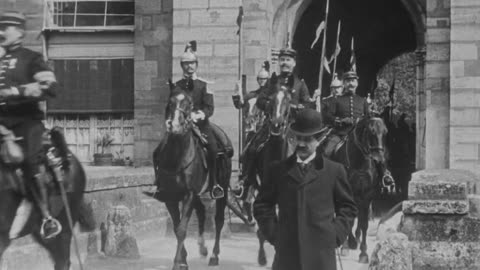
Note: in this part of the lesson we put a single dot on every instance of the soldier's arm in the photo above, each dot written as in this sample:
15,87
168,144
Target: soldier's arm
207,100
305,98
264,209
44,84
237,101
329,112
263,99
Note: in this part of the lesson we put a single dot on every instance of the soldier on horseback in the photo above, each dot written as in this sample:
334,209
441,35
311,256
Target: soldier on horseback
343,112
250,150
25,80
203,108
294,85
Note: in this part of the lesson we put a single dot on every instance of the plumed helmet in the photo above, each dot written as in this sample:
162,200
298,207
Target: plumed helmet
336,83
264,73
190,54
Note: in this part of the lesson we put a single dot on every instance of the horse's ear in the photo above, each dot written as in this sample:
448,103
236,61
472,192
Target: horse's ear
171,84
274,78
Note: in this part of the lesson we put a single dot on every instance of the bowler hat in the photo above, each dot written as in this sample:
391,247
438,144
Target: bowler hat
307,123
12,18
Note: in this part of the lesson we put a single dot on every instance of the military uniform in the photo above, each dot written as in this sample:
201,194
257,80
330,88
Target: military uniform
299,92
341,114
25,80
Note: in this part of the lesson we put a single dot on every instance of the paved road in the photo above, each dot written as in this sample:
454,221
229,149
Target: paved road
238,252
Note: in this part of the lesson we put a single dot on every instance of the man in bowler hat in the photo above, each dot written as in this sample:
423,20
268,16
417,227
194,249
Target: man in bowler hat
315,202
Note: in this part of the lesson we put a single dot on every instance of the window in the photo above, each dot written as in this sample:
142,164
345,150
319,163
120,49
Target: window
89,14
93,86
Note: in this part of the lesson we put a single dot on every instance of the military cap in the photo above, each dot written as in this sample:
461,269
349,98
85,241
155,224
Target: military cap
350,75
12,18
190,54
288,52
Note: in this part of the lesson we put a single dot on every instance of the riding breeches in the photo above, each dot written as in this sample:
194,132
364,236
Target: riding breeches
31,133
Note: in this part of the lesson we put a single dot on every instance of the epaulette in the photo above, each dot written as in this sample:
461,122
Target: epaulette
205,81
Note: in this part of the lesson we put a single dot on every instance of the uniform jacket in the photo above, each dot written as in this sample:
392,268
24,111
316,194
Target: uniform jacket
299,92
315,213
348,105
252,94
202,98
18,67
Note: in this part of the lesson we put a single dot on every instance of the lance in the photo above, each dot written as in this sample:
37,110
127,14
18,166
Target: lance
336,53
322,59
240,70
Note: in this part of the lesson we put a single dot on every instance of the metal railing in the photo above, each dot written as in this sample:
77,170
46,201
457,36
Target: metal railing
86,15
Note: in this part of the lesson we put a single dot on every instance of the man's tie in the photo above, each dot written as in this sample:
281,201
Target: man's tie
303,167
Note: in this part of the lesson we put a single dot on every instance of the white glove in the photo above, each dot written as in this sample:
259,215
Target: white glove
316,94
198,115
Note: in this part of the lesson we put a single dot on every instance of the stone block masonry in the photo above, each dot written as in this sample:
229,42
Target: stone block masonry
213,25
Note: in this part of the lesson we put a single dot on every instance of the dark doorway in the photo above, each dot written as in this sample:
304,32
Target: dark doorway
381,29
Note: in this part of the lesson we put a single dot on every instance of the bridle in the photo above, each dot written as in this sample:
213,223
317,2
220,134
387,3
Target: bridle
186,115
286,115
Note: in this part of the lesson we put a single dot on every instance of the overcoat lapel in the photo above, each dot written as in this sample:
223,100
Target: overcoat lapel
313,173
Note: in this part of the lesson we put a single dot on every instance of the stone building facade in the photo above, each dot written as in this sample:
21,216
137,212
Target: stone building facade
445,35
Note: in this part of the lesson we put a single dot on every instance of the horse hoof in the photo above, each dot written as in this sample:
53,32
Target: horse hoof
345,252
213,261
363,258
181,266
262,259
203,251
352,244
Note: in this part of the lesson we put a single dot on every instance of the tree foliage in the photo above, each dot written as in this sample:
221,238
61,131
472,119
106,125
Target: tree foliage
403,70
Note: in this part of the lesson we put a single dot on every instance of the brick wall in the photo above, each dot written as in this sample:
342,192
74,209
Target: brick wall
213,24
153,68
437,84
465,84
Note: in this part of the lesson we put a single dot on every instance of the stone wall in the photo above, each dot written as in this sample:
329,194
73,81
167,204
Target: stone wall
465,84
441,220
153,62
437,84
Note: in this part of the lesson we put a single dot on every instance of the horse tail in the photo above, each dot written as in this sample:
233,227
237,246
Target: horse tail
86,218
397,208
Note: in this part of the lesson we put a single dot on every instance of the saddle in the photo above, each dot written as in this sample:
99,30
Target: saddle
223,142
11,158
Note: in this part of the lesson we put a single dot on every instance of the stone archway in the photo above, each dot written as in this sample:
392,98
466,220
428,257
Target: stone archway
382,32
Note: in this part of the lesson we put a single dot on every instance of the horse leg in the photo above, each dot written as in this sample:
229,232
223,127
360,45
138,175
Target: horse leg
219,221
200,210
174,211
262,257
363,225
58,248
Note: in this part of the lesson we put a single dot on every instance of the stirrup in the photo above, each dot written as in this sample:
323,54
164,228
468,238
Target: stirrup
217,192
387,178
238,193
56,224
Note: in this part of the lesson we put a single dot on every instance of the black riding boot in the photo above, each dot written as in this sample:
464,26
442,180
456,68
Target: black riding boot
50,226
216,191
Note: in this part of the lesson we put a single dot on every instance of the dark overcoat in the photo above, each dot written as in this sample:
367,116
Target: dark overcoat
315,213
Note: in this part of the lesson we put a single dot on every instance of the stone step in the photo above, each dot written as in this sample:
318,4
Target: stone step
441,185
438,207
474,201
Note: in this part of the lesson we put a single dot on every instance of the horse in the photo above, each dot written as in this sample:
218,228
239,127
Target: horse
181,176
274,144
14,191
363,154
254,118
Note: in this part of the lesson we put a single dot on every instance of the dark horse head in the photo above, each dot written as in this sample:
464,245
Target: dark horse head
280,107
180,106
369,135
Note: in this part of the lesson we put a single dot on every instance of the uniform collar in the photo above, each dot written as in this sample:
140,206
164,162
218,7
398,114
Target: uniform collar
13,47
193,77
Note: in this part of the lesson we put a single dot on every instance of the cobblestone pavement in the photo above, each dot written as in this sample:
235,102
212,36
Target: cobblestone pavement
238,252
